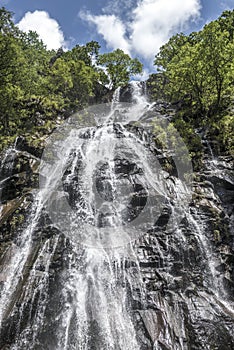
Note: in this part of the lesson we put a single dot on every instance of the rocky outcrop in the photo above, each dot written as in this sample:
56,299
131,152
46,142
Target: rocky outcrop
187,270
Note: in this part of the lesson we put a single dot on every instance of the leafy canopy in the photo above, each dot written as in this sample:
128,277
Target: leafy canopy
199,68
119,67
197,73
40,86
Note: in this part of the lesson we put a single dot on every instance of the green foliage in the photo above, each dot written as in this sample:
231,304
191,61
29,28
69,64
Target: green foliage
39,87
190,138
11,60
6,23
222,131
120,67
199,68
178,135
197,73
87,53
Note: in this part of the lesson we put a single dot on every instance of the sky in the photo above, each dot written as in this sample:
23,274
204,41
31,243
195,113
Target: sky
139,27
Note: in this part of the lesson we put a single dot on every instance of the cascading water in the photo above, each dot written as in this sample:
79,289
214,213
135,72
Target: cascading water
111,256
95,311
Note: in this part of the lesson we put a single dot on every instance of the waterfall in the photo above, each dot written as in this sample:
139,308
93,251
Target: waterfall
112,254
115,98
102,269
140,101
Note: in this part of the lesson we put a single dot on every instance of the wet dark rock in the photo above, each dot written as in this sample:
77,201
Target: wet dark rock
126,94
183,309
101,95
22,144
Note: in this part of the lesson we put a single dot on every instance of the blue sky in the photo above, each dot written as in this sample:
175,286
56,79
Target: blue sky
139,27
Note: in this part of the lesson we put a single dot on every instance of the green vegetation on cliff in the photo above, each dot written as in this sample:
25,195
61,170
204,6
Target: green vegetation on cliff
39,86
196,72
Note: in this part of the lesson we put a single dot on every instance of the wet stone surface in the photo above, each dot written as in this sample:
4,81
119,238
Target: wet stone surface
185,299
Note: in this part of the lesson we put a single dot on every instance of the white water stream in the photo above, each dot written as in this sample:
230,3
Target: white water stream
86,190
95,300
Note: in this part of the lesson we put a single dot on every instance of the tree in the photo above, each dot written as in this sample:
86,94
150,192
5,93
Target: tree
6,24
226,22
198,68
170,50
217,49
11,60
87,53
119,67
197,71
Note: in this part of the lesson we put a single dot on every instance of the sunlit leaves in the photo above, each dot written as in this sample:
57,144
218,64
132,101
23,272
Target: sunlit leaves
199,67
119,67
39,86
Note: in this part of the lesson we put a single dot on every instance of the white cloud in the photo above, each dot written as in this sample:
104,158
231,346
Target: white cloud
111,28
154,21
47,28
150,24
